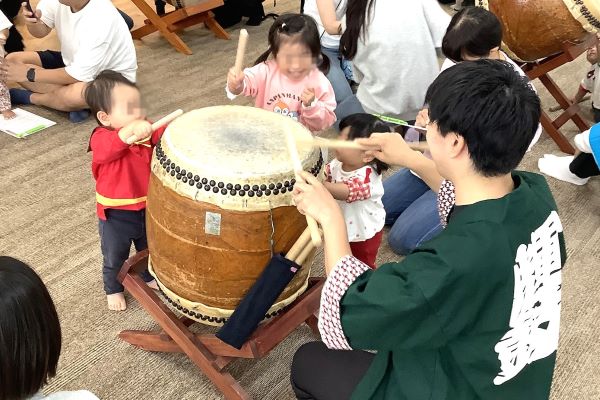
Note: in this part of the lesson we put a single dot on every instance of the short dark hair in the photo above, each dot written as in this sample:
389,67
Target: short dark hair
30,336
298,27
362,125
492,107
98,94
472,30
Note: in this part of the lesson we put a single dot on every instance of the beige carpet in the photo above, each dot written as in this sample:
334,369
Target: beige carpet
48,219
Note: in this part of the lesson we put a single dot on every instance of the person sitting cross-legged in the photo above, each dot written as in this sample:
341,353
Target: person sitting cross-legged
93,38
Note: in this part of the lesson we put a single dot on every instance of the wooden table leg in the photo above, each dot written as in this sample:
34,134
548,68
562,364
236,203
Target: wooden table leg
214,26
563,143
161,26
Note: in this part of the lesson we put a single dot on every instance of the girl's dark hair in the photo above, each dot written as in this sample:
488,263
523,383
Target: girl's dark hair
474,31
298,28
98,94
358,15
361,126
30,337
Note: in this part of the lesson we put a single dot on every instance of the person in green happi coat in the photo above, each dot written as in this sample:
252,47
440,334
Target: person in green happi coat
473,313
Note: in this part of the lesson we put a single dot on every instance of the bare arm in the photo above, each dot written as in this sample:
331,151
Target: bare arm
339,191
328,18
57,76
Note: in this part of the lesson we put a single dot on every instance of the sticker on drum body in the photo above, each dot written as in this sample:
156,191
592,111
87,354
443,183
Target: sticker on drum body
212,223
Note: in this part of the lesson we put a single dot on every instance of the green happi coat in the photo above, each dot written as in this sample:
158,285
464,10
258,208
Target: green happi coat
471,314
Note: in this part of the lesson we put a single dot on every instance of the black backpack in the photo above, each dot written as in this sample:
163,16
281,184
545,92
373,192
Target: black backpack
232,12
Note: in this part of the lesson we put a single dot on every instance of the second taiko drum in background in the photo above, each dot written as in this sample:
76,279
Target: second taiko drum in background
219,205
534,29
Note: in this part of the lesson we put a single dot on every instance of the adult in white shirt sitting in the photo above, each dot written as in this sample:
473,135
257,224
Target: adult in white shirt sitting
92,37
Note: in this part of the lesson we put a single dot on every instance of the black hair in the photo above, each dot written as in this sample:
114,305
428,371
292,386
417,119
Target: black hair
358,15
297,28
98,94
492,107
30,336
362,125
474,31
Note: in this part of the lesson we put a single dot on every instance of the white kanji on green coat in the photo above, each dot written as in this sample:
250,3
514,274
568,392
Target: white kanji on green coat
535,315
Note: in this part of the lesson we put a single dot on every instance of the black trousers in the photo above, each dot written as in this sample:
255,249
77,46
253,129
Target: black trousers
584,166
319,373
121,228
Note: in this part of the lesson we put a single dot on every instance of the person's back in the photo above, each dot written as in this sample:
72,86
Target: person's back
482,343
92,39
396,61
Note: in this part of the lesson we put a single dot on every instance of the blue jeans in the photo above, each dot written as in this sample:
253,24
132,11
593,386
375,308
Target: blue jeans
347,103
411,209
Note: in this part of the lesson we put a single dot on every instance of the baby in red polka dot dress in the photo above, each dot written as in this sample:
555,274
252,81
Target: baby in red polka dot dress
356,182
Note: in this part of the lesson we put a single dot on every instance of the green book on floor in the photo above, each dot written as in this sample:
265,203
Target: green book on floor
24,124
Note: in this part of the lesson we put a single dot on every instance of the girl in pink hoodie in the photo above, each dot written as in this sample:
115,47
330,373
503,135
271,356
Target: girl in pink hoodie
292,83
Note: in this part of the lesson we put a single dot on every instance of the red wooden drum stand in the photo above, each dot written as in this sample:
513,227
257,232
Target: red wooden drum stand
208,352
540,69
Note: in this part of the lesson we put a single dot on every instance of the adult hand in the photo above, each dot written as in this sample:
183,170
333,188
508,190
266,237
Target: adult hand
313,199
307,97
390,148
235,81
13,71
30,18
136,131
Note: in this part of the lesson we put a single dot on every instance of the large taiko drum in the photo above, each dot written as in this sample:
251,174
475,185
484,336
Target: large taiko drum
533,29
219,205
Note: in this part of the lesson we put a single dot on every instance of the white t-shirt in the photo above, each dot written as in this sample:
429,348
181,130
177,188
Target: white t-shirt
327,40
92,40
449,63
396,60
592,85
364,218
4,22
78,395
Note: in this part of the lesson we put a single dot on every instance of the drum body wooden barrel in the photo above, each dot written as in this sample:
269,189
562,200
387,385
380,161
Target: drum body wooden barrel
219,203
534,29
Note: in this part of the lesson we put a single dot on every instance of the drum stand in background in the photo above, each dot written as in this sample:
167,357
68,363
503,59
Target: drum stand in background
540,69
208,352
172,23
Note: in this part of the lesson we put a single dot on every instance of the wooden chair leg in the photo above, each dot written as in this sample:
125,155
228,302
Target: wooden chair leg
161,26
214,26
185,340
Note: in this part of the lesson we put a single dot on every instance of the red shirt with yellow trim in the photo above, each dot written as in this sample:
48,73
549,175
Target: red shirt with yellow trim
121,170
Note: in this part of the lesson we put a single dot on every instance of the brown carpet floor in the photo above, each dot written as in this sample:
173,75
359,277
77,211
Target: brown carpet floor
48,219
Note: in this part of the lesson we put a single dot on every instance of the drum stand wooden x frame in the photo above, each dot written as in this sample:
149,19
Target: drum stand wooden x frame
540,69
172,23
207,351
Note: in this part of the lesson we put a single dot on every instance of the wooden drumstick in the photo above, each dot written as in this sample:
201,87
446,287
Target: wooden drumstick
304,253
293,151
299,245
241,50
161,122
347,144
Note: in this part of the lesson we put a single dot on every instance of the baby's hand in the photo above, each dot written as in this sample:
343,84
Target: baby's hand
422,118
136,131
307,97
235,81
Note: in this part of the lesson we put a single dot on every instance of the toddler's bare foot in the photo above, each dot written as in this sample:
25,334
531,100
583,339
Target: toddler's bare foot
152,284
116,302
8,114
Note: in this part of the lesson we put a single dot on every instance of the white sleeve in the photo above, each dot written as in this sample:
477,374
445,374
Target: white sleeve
582,141
437,20
49,9
4,22
587,83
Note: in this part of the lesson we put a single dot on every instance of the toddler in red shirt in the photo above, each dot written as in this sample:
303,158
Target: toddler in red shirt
122,173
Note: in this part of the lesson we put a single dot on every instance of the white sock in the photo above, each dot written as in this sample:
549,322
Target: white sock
558,167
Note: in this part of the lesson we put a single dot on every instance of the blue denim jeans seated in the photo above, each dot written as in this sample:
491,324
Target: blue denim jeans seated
411,210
